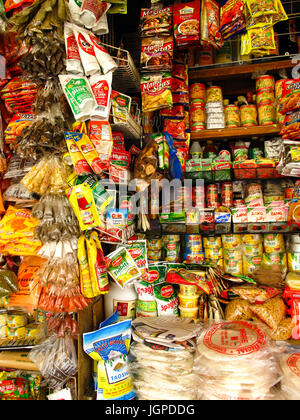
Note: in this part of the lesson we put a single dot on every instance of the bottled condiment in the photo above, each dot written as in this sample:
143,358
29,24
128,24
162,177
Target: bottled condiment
196,151
210,150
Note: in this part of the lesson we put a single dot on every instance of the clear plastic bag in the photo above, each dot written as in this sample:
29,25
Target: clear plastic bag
236,360
56,359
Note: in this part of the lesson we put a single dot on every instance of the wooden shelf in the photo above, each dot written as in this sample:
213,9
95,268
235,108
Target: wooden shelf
235,133
226,72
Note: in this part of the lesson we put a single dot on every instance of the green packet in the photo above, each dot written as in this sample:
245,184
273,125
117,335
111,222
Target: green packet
166,296
156,274
122,268
102,198
138,252
173,217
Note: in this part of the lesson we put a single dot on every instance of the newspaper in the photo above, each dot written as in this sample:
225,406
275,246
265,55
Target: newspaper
164,331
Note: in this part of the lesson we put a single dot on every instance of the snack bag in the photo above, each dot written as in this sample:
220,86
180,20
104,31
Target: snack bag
156,22
138,251
291,96
83,203
156,91
97,267
166,296
27,298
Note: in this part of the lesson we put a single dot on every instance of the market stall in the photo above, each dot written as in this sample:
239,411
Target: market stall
150,216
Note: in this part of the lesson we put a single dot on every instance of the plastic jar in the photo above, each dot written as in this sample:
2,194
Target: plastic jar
121,300
189,302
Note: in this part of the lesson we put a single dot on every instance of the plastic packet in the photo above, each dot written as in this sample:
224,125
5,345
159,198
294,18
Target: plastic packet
79,95
97,266
72,52
122,268
92,11
156,21
101,87
109,347
271,312
238,309
106,62
86,51
29,288
256,294
56,359
156,91
166,297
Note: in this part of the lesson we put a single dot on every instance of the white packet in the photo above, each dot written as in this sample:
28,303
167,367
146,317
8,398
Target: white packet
72,52
101,87
87,52
105,60
63,395
75,10
92,11
79,95
101,27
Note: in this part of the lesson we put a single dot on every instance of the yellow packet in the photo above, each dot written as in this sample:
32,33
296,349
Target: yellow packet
88,151
86,287
257,9
97,265
79,127
82,201
79,162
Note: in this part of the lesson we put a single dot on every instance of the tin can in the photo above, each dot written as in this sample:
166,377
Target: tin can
3,318
265,82
199,197
3,332
198,91
232,116
248,116
212,196
265,95
16,319
266,113
214,94
197,115
16,333
227,194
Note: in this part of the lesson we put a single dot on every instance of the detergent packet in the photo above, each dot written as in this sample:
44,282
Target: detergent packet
109,346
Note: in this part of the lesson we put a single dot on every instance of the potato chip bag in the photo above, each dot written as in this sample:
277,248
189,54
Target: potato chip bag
27,297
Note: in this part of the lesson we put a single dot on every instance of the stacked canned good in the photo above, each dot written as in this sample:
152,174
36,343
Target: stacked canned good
189,296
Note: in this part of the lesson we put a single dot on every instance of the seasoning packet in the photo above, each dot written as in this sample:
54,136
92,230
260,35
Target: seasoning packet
97,265
121,105
138,251
156,21
157,54
101,88
72,52
79,162
87,54
89,152
187,23
156,91
122,268
101,136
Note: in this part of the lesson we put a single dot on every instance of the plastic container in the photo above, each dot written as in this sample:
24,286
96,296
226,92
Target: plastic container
191,313
188,290
189,302
122,300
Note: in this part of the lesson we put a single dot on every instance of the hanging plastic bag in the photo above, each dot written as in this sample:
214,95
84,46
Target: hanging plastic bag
56,359
176,171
